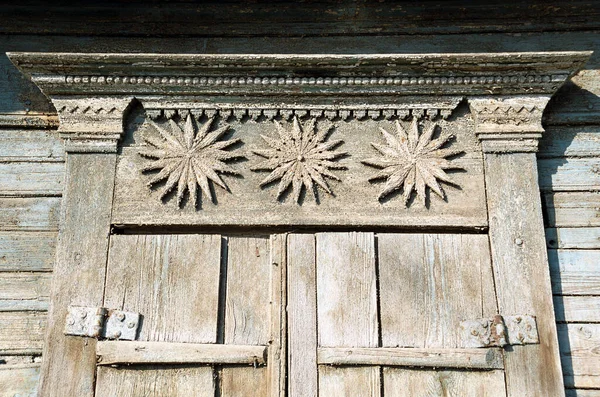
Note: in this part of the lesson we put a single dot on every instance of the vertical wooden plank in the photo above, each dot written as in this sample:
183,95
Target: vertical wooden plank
173,281
347,308
521,270
429,283
302,316
247,311
277,355
68,368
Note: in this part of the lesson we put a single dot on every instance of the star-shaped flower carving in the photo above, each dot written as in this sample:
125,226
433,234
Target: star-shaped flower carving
301,157
188,157
412,161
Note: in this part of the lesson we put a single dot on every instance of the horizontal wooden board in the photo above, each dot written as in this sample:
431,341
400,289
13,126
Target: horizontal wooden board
30,145
29,213
355,201
19,380
25,178
580,354
578,101
577,309
575,272
22,332
27,251
582,393
572,209
570,141
573,238
24,291
569,174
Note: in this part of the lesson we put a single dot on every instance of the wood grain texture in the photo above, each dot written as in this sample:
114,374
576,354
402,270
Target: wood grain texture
25,179
27,251
584,238
572,209
19,380
568,141
416,382
161,277
302,316
277,354
247,311
24,291
575,272
22,332
81,255
31,145
521,273
583,393
580,357
29,213
577,309
347,308
569,174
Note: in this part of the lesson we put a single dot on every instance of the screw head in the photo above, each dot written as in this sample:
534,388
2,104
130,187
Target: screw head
117,334
121,316
518,241
474,332
83,315
71,321
131,324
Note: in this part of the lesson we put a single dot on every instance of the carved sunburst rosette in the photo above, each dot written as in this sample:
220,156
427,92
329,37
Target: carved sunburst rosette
188,157
301,156
412,162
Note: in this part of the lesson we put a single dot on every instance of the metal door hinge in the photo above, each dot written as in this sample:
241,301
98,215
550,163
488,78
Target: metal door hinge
499,331
101,323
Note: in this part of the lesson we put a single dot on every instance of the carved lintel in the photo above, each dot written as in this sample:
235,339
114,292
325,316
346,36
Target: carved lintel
91,125
509,124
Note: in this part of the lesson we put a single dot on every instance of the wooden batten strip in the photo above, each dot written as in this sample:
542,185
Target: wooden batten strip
122,352
412,357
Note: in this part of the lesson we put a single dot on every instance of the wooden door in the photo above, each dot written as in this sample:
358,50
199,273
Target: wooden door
379,315
210,316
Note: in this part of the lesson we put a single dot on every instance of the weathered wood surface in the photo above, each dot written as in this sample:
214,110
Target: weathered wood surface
29,213
580,347
569,174
24,291
572,209
247,311
583,393
570,141
25,178
583,238
277,354
575,272
19,380
79,273
521,276
347,309
135,352
412,357
354,200
22,332
30,145
161,277
415,382
302,316
429,283
27,251
577,309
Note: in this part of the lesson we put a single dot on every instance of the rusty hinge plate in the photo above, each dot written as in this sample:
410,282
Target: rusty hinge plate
499,331
101,323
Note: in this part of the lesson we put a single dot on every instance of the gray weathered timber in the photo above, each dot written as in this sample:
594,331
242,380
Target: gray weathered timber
135,352
570,141
19,380
572,209
575,272
583,393
277,353
79,273
247,311
521,276
29,213
25,178
27,251
22,332
569,174
429,283
584,238
579,354
161,277
415,382
577,309
24,291
302,316
347,308
30,145
412,357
